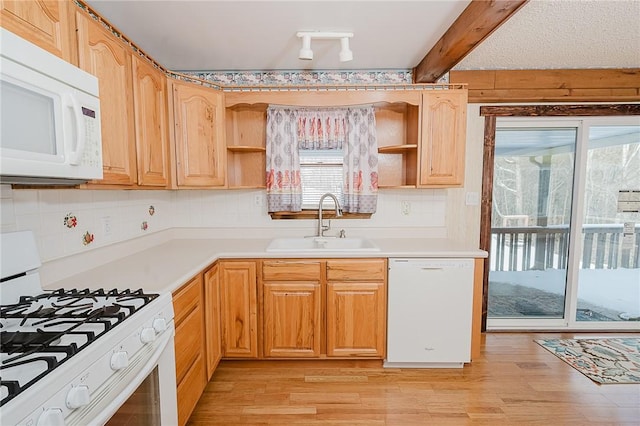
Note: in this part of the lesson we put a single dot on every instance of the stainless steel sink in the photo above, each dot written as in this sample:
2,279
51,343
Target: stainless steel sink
321,244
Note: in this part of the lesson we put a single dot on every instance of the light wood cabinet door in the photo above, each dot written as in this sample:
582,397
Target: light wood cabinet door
150,112
443,138
189,391
199,135
213,329
238,295
191,377
48,24
356,319
292,320
103,55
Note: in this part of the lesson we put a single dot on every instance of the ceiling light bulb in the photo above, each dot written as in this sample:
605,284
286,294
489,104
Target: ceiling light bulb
345,53
305,51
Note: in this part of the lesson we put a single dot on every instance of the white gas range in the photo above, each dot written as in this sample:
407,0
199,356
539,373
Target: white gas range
79,356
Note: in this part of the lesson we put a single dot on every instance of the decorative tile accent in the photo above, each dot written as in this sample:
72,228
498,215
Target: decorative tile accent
70,221
144,226
301,77
87,238
152,210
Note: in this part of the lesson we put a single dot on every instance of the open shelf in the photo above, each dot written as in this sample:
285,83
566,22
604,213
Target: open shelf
246,140
245,148
397,130
397,149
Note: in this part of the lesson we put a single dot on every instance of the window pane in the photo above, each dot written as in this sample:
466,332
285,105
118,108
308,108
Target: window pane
609,277
532,194
321,172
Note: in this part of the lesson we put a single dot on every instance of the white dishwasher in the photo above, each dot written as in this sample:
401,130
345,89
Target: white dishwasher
429,313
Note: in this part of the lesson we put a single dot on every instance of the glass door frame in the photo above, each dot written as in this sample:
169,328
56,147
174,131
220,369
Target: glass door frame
569,322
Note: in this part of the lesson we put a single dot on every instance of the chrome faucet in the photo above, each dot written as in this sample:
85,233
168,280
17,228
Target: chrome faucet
321,226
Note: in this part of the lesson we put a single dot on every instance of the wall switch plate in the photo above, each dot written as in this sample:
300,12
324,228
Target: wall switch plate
405,208
107,229
472,199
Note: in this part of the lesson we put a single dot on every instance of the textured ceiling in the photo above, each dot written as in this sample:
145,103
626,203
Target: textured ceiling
260,34
563,34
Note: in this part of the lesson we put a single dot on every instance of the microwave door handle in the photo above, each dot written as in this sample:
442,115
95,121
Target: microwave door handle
73,104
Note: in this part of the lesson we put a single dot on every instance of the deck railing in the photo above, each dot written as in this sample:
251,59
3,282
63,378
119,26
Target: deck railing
540,248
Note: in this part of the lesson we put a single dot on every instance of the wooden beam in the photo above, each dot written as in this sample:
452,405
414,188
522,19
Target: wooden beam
475,23
553,85
559,111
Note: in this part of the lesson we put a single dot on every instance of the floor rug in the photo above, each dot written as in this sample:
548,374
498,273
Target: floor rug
606,360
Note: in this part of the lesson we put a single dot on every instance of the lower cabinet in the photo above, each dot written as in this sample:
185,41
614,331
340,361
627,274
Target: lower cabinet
356,319
356,308
323,308
190,351
291,309
239,307
213,337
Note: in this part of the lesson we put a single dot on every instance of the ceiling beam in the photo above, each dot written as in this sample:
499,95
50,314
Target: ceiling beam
475,23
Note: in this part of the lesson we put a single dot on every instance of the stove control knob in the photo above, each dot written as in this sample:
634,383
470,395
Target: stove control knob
159,325
147,335
51,417
119,360
78,396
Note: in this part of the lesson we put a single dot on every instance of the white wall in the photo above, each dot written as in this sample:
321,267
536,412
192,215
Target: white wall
463,219
240,213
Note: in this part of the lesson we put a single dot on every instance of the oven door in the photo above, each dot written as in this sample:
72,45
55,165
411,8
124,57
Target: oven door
152,403
146,395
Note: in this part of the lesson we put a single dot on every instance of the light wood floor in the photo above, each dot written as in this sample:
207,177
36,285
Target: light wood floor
515,382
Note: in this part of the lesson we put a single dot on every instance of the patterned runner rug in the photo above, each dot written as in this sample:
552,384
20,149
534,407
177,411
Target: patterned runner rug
607,360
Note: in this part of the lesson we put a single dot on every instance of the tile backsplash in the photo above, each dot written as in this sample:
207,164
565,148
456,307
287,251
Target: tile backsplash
69,221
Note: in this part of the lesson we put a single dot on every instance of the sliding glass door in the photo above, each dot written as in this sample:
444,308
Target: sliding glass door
609,276
564,252
532,197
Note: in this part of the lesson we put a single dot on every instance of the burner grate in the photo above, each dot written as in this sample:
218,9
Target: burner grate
61,322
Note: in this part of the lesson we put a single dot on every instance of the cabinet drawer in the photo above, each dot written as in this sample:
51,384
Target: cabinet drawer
289,270
356,270
185,299
187,342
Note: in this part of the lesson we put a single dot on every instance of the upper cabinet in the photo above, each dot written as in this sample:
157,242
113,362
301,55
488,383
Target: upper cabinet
48,24
133,100
152,139
198,132
421,133
103,55
444,122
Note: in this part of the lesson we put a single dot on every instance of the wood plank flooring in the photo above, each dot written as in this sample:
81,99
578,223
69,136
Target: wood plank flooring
514,382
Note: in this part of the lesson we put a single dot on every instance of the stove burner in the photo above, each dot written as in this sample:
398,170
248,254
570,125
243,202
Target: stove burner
43,331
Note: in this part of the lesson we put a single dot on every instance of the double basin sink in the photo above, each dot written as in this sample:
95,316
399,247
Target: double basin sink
321,244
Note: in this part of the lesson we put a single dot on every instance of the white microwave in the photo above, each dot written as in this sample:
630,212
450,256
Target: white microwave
49,117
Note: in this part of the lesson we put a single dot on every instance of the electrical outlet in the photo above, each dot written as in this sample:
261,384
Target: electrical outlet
257,200
106,226
405,207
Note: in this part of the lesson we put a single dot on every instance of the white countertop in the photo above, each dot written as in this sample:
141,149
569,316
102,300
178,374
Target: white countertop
166,266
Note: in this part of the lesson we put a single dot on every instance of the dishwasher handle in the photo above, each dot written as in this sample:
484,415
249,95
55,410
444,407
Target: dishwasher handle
430,264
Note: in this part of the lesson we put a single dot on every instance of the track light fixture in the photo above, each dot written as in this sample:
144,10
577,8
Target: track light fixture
306,53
